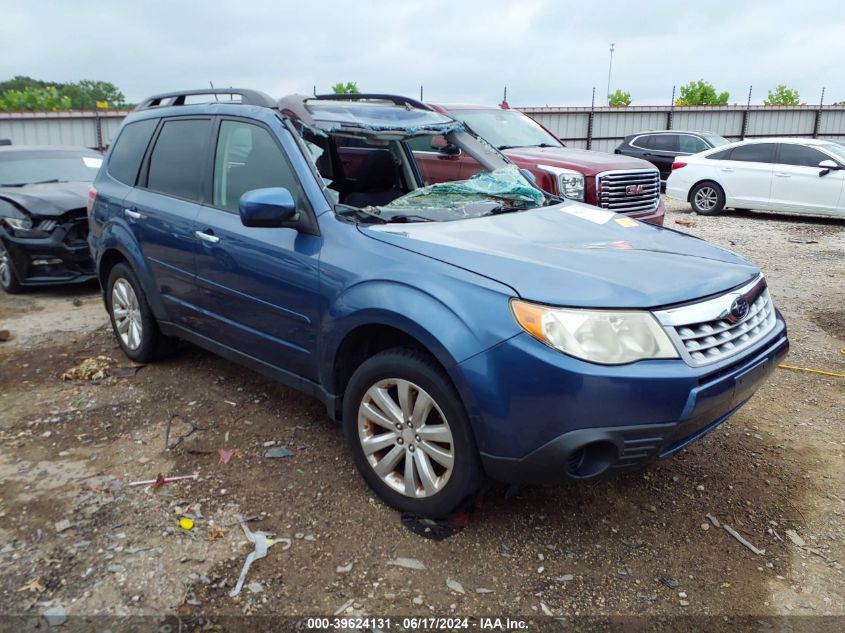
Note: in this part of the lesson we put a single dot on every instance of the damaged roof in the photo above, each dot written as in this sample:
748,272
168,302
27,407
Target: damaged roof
366,116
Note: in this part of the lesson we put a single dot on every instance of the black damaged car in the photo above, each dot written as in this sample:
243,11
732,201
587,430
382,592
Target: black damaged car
43,222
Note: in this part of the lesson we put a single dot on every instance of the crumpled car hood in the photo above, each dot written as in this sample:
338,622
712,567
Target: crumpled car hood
48,200
562,255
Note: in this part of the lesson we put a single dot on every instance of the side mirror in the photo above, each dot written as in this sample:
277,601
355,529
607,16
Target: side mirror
827,166
272,207
441,145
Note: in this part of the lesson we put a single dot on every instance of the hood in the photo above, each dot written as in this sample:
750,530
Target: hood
48,200
588,162
577,255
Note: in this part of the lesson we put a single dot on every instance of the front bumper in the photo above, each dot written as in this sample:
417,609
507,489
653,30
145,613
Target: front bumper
652,217
541,416
59,258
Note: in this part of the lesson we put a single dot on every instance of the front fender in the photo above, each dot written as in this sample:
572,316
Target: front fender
117,237
464,319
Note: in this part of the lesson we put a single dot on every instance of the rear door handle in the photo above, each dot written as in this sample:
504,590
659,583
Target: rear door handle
132,214
727,169
207,237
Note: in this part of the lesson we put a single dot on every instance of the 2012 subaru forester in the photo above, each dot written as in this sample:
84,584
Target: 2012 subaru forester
459,329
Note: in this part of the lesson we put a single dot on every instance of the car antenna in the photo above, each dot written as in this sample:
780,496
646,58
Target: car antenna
212,87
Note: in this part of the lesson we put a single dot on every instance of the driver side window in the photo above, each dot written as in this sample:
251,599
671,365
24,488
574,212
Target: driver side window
248,158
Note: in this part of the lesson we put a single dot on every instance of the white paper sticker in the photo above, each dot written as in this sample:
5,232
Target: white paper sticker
92,161
591,214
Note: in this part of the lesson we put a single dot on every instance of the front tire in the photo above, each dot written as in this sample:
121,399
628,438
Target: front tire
409,434
8,279
707,198
132,320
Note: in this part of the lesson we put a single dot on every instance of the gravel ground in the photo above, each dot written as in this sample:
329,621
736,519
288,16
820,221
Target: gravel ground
76,538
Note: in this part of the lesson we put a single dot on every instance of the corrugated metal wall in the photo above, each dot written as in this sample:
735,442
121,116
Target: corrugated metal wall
611,125
600,128
88,129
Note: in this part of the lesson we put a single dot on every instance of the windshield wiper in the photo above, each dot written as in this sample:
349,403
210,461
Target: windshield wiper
404,218
505,209
26,184
359,214
503,147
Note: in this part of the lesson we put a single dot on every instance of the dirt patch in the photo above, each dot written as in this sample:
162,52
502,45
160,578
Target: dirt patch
832,322
639,544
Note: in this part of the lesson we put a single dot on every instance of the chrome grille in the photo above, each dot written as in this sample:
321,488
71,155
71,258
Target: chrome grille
628,191
705,333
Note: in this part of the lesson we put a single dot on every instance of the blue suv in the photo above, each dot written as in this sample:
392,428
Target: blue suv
458,330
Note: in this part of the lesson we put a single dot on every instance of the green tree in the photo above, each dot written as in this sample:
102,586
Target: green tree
32,99
782,96
619,98
86,93
701,93
348,88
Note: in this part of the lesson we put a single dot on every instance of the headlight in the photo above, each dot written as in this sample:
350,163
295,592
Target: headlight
570,183
599,336
19,224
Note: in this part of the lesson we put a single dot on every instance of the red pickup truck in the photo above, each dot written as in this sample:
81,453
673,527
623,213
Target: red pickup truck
618,183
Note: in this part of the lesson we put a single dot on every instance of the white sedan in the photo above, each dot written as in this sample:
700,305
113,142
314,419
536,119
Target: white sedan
778,174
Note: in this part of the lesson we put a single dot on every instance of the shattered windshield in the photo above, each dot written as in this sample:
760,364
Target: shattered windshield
373,174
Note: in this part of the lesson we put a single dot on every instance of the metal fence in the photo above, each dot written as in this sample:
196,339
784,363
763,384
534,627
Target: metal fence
603,128
94,129
599,128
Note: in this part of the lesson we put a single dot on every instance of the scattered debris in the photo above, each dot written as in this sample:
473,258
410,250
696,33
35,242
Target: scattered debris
77,302
62,525
344,569
277,451
435,530
792,535
803,241
5,335
185,430
705,526
344,606
186,523
216,533
262,542
255,587
124,372
483,590
565,578
455,586
94,368
626,571
160,480
687,223
407,563
738,537
226,454
33,586
670,582
644,597
116,568
545,609
55,614
713,520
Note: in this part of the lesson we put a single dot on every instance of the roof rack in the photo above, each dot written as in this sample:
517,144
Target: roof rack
248,97
356,96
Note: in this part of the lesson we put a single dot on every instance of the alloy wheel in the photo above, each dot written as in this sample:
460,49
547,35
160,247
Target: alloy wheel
5,267
706,198
405,437
127,314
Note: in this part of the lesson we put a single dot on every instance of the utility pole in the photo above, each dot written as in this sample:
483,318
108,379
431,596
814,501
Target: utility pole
610,70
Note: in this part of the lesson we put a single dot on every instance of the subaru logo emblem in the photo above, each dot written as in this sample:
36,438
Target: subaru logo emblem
739,308
633,190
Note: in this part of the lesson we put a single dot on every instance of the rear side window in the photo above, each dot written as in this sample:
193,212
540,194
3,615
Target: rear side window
692,144
128,150
665,142
178,159
800,155
722,155
644,142
754,153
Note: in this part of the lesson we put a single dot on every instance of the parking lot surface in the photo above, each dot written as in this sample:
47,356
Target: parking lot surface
75,535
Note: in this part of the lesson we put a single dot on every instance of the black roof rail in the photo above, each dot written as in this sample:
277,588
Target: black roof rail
353,96
248,97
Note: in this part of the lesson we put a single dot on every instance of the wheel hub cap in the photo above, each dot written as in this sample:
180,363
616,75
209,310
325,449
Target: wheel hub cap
127,314
405,437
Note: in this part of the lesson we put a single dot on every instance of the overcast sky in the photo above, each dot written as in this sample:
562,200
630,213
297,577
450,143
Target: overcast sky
546,52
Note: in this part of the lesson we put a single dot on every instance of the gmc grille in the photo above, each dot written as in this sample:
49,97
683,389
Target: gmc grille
628,191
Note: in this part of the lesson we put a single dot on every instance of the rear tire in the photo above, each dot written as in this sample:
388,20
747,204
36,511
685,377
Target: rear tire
409,434
8,279
132,320
707,198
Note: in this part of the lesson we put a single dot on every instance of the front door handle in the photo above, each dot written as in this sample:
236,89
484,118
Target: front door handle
781,174
132,214
207,237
